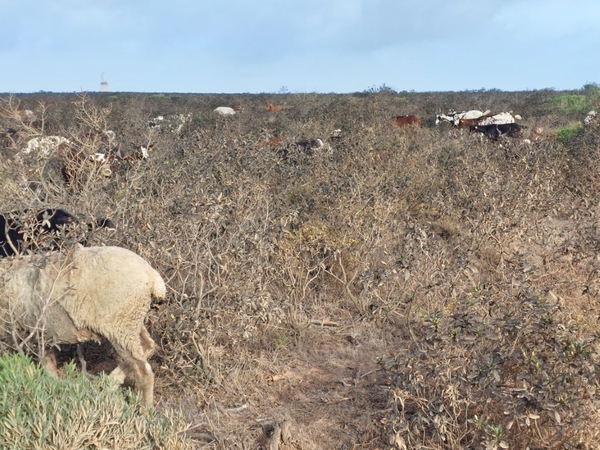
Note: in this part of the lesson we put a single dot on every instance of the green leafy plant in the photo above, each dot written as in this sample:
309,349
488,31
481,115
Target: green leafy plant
568,134
571,102
38,411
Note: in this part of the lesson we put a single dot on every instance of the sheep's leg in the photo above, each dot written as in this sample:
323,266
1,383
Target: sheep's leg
118,374
139,368
81,359
142,373
49,363
145,381
147,343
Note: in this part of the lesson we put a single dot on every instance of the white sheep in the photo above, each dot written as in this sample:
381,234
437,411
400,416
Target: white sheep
454,117
590,118
44,146
83,294
225,111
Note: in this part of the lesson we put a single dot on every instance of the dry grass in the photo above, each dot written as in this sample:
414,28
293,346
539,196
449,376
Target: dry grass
410,289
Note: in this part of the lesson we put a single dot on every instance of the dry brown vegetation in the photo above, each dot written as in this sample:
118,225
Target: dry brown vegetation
410,288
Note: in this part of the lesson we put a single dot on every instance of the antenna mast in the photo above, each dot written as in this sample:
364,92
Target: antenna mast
103,84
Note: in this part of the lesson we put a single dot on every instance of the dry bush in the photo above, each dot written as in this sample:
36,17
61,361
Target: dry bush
412,288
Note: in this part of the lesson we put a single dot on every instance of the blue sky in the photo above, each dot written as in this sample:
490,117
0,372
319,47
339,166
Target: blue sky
253,46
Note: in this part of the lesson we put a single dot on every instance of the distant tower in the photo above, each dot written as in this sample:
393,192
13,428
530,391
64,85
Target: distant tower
103,84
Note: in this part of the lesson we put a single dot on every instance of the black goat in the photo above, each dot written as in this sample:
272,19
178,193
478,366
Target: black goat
20,231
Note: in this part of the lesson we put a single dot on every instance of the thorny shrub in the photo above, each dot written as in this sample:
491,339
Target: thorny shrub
475,262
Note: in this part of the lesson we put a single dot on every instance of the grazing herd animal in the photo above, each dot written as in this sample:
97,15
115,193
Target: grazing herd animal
89,293
173,123
225,111
73,160
494,126
272,107
83,294
22,230
407,120
76,295
590,118
490,125
14,231
25,117
455,117
44,146
494,131
271,143
309,145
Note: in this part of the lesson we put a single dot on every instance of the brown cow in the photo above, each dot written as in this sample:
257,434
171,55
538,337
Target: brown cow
406,120
472,123
272,107
271,143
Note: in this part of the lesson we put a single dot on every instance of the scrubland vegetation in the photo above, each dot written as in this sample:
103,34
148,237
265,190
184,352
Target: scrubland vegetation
409,289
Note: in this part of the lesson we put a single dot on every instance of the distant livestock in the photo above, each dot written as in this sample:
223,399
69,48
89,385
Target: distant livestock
271,143
309,145
173,123
489,119
336,135
454,117
93,153
24,114
75,162
225,111
591,118
104,142
495,131
25,230
500,118
27,115
81,295
272,107
306,146
44,146
407,120
494,125
16,228
536,134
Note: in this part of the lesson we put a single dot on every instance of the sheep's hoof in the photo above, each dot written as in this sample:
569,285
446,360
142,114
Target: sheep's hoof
118,375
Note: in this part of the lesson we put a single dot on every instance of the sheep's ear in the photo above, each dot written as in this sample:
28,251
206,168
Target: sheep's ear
79,245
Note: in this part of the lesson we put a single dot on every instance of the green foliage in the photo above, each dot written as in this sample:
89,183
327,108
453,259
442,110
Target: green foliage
570,103
38,411
568,134
591,89
592,92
